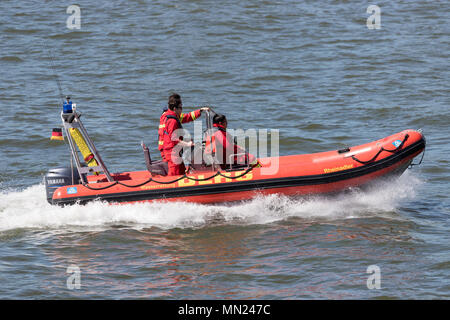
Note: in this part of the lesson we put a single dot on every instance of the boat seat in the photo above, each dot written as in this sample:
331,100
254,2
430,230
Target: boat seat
154,167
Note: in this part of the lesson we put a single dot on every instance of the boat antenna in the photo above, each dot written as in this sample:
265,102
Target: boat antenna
52,64
58,83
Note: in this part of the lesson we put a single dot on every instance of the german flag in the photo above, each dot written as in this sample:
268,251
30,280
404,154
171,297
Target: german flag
57,134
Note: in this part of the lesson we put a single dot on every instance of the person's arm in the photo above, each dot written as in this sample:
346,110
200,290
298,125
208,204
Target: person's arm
171,126
193,115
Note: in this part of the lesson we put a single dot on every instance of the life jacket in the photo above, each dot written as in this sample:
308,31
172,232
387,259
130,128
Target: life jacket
172,117
243,158
167,151
162,128
211,140
211,146
184,118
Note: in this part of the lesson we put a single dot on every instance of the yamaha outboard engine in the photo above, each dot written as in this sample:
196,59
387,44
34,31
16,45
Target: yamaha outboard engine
60,177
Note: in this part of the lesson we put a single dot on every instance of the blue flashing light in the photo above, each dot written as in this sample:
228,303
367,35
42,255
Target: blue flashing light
67,107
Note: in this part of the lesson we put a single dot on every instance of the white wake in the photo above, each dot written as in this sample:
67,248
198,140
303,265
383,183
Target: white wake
29,209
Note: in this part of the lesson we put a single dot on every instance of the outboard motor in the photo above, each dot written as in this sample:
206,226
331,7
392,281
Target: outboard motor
60,177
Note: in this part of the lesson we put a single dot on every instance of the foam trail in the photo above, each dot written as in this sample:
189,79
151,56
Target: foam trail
29,209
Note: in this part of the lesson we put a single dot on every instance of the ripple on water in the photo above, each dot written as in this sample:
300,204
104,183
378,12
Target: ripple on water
313,70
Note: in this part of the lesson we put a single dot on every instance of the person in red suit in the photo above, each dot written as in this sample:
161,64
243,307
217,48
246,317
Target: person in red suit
223,146
171,120
184,118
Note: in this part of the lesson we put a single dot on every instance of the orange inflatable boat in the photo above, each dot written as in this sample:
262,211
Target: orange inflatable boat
306,174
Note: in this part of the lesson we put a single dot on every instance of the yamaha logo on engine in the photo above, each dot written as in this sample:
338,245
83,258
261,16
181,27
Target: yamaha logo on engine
56,181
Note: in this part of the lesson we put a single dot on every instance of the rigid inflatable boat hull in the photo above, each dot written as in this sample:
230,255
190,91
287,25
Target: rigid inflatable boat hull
319,173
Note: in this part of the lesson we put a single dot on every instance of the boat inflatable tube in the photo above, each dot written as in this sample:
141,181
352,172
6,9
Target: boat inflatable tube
303,174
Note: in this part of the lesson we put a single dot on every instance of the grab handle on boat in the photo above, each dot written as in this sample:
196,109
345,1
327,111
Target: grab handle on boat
185,176
347,149
381,150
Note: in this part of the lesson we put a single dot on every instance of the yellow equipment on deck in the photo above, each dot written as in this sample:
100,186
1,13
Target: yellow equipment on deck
88,156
